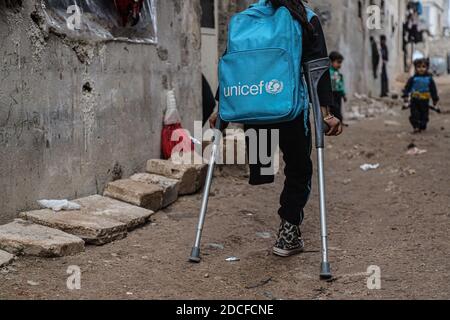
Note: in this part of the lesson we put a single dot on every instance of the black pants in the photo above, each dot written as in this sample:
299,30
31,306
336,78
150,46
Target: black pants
375,65
384,81
296,147
336,109
420,112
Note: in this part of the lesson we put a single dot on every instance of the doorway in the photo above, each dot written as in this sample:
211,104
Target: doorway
210,35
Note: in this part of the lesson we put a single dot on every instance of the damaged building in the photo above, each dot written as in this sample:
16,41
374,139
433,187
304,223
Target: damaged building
345,27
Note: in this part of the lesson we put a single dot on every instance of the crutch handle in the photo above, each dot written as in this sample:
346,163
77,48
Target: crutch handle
314,71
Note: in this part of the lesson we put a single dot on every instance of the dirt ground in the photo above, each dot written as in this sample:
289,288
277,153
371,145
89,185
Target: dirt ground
396,217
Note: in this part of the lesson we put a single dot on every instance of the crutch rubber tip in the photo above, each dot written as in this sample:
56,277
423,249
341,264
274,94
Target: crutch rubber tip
325,271
195,255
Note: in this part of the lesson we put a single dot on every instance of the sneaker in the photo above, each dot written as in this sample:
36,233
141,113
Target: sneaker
289,241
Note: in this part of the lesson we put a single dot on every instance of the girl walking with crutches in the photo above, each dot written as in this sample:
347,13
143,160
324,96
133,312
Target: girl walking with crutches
295,135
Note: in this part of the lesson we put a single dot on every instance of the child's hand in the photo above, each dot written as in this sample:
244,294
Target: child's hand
334,124
213,122
435,104
405,104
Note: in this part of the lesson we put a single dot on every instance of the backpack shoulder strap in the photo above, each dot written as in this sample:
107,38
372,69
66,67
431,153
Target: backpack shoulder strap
310,13
261,3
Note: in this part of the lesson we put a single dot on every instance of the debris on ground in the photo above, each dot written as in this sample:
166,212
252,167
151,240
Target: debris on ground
416,151
259,284
232,259
269,295
392,188
392,123
347,181
264,235
367,167
404,172
412,145
361,107
216,246
59,205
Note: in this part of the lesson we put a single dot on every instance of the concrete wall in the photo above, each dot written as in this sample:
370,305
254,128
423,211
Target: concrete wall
347,33
74,116
435,16
227,8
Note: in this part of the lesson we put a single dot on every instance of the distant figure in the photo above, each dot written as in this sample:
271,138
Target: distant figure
375,57
129,11
420,89
337,84
384,74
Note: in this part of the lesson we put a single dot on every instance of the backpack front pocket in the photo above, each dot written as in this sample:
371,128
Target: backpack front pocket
256,86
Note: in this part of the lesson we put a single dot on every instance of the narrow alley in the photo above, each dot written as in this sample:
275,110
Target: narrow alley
395,218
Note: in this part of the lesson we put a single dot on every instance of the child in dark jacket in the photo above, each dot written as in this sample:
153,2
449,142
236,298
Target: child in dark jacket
420,89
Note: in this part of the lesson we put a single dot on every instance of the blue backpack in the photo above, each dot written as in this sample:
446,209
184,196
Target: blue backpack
260,75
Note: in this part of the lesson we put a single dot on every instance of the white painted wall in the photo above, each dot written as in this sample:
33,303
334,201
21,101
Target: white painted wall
435,16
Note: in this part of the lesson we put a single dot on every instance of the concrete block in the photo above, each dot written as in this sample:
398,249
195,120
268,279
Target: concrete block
99,206
26,238
5,258
149,196
192,177
92,229
171,187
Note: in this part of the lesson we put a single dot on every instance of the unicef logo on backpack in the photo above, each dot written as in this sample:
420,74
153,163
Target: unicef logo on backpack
274,87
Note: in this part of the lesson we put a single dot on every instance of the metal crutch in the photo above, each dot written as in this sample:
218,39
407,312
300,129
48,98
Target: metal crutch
314,70
195,254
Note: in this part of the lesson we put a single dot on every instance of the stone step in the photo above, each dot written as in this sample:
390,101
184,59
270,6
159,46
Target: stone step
192,177
5,258
149,196
26,238
93,229
99,206
171,187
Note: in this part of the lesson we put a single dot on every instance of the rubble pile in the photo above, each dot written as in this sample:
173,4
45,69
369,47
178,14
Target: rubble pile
361,107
